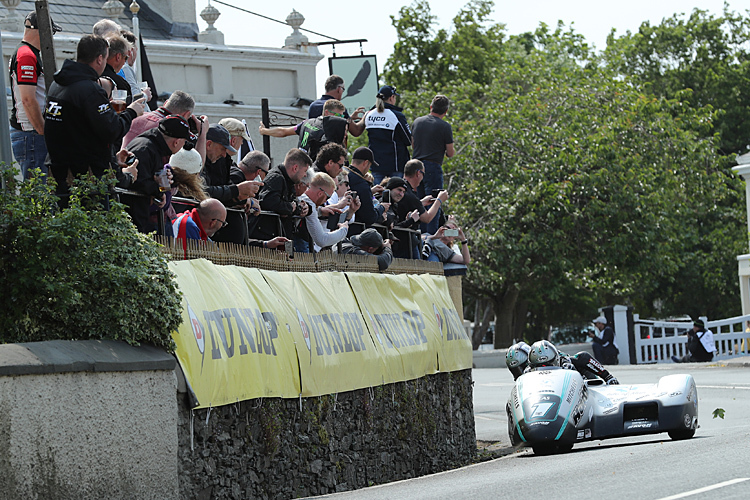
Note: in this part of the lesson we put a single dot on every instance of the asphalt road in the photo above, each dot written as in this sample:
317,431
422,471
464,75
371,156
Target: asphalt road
715,464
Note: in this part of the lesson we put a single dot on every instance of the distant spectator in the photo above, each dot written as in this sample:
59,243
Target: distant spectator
413,175
406,211
331,159
603,342
118,56
389,135
201,223
105,28
277,195
179,103
154,149
128,71
80,126
186,181
439,246
432,139
362,159
321,188
369,242
253,167
700,345
314,133
28,90
334,87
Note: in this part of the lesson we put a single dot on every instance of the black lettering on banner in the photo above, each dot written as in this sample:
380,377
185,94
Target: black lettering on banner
453,324
353,333
410,327
336,319
315,334
387,328
336,339
247,330
215,318
322,338
242,330
419,324
273,331
261,332
401,327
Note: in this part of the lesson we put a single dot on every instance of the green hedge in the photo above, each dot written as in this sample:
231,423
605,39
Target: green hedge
80,273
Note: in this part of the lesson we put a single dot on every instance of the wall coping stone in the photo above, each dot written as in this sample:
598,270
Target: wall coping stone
59,356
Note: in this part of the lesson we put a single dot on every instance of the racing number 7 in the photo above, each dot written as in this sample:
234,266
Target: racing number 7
540,410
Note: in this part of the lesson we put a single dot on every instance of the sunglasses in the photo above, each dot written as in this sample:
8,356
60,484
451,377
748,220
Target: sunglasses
223,222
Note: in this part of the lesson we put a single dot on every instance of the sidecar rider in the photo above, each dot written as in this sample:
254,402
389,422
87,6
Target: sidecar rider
517,358
544,353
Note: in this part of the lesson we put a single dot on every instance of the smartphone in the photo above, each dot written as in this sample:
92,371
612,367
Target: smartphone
451,233
137,96
386,196
289,248
130,160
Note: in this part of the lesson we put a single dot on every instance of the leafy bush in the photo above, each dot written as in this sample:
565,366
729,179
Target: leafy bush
80,273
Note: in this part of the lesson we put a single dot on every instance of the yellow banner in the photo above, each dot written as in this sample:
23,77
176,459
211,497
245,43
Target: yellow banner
431,294
398,324
232,344
336,352
248,333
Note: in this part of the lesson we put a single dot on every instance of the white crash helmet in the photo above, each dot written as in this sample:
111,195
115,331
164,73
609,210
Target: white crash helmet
517,355
543,353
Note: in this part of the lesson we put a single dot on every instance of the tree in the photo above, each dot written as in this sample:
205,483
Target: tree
574,181
706,54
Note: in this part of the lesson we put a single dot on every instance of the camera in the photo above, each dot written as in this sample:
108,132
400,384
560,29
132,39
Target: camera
386,196
353,194
435,193
130,160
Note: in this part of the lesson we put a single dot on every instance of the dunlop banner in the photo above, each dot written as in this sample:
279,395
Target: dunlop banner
248,333
409,343
336,352
431,294
233,344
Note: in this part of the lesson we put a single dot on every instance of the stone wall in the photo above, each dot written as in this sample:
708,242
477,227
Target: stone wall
288,448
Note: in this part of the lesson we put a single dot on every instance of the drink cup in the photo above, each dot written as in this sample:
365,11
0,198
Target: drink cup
119,100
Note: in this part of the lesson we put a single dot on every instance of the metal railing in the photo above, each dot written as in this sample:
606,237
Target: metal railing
658,341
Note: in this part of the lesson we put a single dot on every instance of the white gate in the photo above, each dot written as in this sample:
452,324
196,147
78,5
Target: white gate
658,341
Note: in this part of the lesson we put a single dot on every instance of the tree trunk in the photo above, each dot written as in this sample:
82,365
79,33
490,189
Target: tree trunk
481,325
505,310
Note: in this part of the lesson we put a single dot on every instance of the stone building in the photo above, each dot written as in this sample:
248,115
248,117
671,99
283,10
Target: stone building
225,80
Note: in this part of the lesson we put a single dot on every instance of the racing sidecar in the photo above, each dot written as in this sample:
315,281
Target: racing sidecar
551,409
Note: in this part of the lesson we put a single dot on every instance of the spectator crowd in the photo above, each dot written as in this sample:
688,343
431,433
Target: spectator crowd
385,200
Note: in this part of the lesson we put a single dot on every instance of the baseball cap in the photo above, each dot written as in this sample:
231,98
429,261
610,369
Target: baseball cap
364,153
235,127
177,127
188,160
396,182
219,134
367,238
30,22
387,91
600,319
699,323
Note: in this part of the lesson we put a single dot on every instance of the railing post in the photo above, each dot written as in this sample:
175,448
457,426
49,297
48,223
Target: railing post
622,335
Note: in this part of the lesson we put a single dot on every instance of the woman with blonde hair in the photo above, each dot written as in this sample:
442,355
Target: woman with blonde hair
389,135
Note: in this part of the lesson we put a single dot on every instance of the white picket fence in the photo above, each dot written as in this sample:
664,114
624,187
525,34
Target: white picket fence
658,341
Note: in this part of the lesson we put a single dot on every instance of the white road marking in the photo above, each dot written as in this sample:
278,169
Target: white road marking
744,387
706,488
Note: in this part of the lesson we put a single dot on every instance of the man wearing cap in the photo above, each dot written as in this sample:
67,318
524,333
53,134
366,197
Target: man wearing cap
179,103
369,242
362,159
603,342
389,135
27,93
334,87
278,195
219,143
700,345
153,149
315,133
79,124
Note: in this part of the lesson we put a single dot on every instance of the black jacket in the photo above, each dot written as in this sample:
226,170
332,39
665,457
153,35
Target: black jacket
79,124
276,195
153,153
217,180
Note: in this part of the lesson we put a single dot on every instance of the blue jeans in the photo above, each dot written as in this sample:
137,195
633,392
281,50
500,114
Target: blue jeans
30,151
433,179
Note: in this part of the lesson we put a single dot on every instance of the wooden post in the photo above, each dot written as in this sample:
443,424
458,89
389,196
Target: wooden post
46,45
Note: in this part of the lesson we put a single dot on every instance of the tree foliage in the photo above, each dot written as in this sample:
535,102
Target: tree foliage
80,273
708,54
579,185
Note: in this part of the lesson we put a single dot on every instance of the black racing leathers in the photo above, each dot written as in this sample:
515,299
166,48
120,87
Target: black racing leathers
79,124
